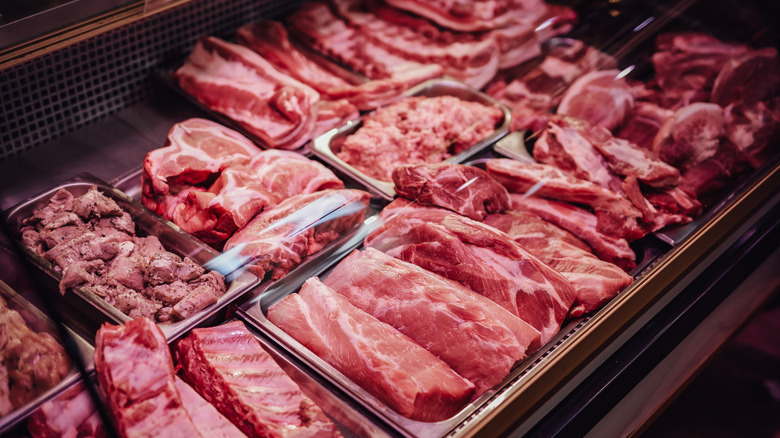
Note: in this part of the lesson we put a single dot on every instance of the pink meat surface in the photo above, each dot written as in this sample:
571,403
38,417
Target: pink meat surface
417,130
469,17
69,414
240,192
135,372
643,123
692,135
235,81
476,337
595,281
481,258
380,359
467,190
270,40
603,98
206,417
582,224
196,150
278,239
229,368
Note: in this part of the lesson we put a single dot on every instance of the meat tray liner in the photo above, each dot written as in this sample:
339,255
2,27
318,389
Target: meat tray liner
39,322
147,223
326,145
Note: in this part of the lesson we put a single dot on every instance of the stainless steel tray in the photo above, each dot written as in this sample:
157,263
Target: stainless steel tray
326,146
147,223
39,322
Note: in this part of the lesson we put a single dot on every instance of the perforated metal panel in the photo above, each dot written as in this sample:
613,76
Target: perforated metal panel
60,92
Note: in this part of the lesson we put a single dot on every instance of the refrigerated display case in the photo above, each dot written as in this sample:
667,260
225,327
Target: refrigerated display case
98,106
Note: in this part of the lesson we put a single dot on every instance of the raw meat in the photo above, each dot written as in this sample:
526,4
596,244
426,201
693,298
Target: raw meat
752,77
603,98
230,369
463,189
30,362
417,130
333,114
643,123
278,239
374,355
582,224
70,414
135,372
91,243
240,192
235,81
315,23
691,136
476,337
536,92
686,65
470,16
480,257
195,151
754,129
595,281
271,41
205,416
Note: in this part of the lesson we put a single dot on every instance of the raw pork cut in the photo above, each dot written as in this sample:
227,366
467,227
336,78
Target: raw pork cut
417,130
316,24
643,123
476,337
603,98
240,192
278,239
582,224
467,190
332,114
205,416
135,372
235,81
595,281
271,41
691,136
195,151
480,257
752,77
379,358
754,128
470,16
229,368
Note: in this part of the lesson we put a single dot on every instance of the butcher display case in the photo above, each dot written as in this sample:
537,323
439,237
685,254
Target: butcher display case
104,107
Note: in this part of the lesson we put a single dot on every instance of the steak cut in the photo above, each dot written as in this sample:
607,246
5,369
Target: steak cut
476,337
135,372
602,98
480,257
195,150
277,240
377,357
582,224
228,367
417,130
595,281
466,190
237,82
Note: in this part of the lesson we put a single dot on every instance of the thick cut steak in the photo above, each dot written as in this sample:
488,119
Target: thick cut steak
603,98
278,239
467,190
135,372
228,367
476,337
480,257
595,281
235,81
382,360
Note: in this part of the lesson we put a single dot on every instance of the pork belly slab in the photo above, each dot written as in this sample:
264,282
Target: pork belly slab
135,372
595,281
379,358
237,82
231,370
467,190
481,258
480,340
